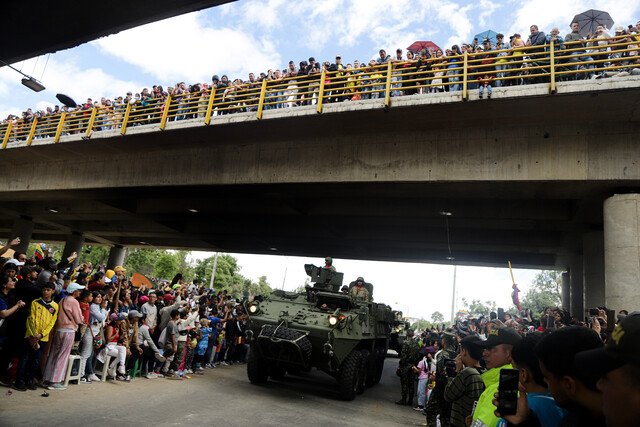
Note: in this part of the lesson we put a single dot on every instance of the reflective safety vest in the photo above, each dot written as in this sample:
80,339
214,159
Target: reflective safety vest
484,413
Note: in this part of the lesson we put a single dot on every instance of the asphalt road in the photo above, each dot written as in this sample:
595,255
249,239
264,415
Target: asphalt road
221,397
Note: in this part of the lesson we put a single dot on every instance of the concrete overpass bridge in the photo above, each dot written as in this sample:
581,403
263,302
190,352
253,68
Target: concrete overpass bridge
544,180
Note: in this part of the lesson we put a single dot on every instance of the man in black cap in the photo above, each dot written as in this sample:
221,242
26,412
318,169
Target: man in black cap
497,356
618,367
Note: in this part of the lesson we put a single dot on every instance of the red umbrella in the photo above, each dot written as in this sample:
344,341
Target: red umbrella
419,45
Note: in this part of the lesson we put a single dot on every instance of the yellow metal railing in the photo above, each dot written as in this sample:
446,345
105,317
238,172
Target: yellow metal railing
461,74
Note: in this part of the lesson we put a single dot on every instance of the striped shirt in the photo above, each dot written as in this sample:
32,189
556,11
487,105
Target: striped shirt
462,391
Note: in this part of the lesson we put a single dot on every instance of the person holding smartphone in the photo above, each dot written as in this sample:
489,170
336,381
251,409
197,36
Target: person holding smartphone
497,356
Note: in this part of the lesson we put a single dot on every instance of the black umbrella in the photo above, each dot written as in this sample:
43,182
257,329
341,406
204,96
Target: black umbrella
590,20
66,100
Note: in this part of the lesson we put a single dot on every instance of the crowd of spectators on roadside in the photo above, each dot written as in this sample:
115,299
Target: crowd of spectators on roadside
50,310
570,371
515,60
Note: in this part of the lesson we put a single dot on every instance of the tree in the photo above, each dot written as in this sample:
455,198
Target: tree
142,260
437,317
166,266
96,255
544,292
477,307
184,263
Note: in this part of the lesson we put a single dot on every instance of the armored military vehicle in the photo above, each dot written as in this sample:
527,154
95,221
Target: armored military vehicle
320,328
398,332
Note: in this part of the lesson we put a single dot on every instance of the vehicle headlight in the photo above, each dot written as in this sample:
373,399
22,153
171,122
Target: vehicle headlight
253,308
333,320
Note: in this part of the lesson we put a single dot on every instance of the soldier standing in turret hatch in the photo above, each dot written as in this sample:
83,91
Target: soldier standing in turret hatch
359,291
328,263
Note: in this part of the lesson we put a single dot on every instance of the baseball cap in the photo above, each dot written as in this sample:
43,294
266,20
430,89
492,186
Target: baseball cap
15,261
619,29
623,347
119,268
144,299
110,273
74,287
168,297
116,316
134,313
501,335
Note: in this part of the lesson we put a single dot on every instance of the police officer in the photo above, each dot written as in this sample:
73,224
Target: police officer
409,358
437,405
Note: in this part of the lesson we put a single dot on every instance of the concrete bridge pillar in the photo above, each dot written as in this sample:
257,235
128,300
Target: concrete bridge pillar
593,269
22,228
622,251
116,257
73,243
577,293
566,290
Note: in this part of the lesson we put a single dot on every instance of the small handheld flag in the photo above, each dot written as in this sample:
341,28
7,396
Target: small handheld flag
39,254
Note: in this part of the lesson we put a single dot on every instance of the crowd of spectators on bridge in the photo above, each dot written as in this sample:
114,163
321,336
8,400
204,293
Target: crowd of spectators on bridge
50,311
571,371
514,59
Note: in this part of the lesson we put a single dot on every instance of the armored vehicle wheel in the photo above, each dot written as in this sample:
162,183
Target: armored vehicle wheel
371,368
363,378
256,367
349,374
379,363
277,372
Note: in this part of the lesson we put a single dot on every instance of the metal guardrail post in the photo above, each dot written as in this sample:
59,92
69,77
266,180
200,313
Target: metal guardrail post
321,92
125,119
165,113
94,111
261,102
387,91
465,70
552,65
59,130
207,119
6,135
33,131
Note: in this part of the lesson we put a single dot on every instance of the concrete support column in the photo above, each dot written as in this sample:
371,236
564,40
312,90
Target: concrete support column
566,290
622,251
577,293
593,269
73,243
22,228
116,257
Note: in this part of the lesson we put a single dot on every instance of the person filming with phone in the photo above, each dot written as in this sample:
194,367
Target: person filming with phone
497,356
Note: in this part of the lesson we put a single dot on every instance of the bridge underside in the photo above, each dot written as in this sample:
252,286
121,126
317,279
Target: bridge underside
531,224
38,27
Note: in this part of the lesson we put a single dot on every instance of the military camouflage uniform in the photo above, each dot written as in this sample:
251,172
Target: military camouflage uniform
437,405
409,357
361,293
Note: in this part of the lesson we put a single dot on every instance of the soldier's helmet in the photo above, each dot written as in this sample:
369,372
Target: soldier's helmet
410,333
360,279
328,260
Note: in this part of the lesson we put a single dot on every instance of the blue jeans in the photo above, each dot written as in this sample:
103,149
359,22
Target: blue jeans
455,87
500,74
422,391
488,89
29,363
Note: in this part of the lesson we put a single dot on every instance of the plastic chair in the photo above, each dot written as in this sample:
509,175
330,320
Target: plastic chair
105,367
69,377
137,369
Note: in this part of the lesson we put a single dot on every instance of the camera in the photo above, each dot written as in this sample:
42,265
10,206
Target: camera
450,366
593,312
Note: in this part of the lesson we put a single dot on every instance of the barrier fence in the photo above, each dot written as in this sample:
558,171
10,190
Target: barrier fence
459,73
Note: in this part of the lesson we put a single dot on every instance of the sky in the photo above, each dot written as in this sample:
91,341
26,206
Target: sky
255,35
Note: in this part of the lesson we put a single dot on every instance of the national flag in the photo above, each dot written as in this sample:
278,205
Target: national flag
515,296
39,254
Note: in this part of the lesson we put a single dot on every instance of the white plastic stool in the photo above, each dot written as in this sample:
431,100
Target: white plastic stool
103,373
69,377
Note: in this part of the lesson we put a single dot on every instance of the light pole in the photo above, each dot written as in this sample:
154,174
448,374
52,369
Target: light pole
213,271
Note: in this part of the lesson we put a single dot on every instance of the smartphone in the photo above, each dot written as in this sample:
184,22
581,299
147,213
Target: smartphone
508,392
